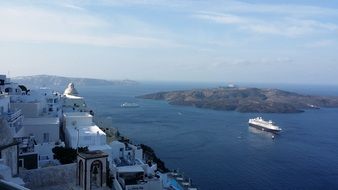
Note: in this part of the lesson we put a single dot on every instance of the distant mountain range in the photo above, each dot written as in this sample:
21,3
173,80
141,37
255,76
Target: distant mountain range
49,80
245,100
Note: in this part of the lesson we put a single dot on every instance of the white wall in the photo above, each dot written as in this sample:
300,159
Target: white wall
77,119
4,104
115,149
9,157
45,149
38,131
30,109
87,137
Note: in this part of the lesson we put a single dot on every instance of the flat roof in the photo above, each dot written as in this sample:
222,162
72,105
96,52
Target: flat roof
93,154
73,97
77,114
117,143
99,147
41,120
85,131
130,169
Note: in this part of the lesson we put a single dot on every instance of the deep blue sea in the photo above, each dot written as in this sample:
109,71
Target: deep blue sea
217,149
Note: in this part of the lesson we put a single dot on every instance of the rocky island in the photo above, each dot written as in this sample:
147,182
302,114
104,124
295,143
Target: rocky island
245,100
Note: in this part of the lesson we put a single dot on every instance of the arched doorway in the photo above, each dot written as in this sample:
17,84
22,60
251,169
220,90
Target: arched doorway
96,174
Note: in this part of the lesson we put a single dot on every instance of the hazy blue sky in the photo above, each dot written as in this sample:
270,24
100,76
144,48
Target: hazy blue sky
174,40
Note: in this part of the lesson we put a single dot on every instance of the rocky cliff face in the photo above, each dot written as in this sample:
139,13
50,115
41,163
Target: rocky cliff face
245,100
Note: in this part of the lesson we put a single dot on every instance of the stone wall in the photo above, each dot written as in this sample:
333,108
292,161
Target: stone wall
6,136
49,176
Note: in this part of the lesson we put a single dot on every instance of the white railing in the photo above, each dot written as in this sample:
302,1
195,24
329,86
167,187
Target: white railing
12,116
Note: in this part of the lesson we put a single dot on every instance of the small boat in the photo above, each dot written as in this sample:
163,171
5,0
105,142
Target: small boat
129,105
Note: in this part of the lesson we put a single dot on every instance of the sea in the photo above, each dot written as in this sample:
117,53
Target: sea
217,149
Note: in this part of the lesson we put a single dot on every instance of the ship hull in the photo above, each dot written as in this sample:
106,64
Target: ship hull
263,128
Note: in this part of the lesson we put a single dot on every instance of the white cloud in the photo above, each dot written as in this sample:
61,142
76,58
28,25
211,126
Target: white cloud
71,6
280,9
222,62
36,25
229,6
320,44
290,27
221,18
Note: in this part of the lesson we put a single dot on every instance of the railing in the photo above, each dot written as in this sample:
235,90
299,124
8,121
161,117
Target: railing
26,146
12,116
5,185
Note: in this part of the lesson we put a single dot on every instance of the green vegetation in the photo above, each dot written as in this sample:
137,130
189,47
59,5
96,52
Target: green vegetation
67,155
150,155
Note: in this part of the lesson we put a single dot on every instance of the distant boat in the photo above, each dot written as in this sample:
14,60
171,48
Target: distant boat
313,106
263,125
130,105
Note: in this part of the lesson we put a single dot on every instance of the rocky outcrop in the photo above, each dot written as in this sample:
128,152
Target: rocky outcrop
245,100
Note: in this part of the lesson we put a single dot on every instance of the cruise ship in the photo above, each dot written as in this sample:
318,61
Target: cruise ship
263,125
130,105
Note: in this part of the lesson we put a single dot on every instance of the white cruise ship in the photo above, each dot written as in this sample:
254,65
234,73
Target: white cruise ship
130,105
263,125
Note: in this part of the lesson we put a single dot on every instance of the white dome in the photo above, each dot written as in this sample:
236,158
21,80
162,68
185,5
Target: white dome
70,90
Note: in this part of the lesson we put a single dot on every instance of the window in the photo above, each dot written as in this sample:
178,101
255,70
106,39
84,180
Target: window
8,90
21,163
45,137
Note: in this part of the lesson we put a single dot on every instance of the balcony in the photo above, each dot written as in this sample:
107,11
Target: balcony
13,117
26,145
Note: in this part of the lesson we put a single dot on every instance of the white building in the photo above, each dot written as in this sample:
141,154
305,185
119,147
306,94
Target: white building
33,117
130,171
14,116
4,104
44,129
81,131
72,102
8,154
8,87
42,102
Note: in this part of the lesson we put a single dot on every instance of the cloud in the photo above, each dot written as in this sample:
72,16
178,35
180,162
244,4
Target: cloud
278,9
320,44
71,6
221,18
37,25
224,63
230,6
290,27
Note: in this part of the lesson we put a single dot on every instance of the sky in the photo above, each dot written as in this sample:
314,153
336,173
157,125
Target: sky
261,41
